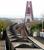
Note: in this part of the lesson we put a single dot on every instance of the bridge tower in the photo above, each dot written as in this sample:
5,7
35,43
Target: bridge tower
29,12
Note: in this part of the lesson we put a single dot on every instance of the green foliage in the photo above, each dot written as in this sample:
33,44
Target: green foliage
36,27
4,24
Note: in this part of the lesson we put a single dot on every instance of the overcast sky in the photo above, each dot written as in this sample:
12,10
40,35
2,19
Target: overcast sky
16,8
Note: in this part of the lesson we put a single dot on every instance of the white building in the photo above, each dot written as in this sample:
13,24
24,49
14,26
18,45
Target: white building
17,20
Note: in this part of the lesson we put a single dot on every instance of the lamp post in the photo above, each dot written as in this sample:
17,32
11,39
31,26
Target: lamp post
42,24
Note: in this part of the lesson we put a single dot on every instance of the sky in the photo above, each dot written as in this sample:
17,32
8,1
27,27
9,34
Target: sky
17,8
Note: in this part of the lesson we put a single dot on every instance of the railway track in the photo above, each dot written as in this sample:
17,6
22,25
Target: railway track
18,39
